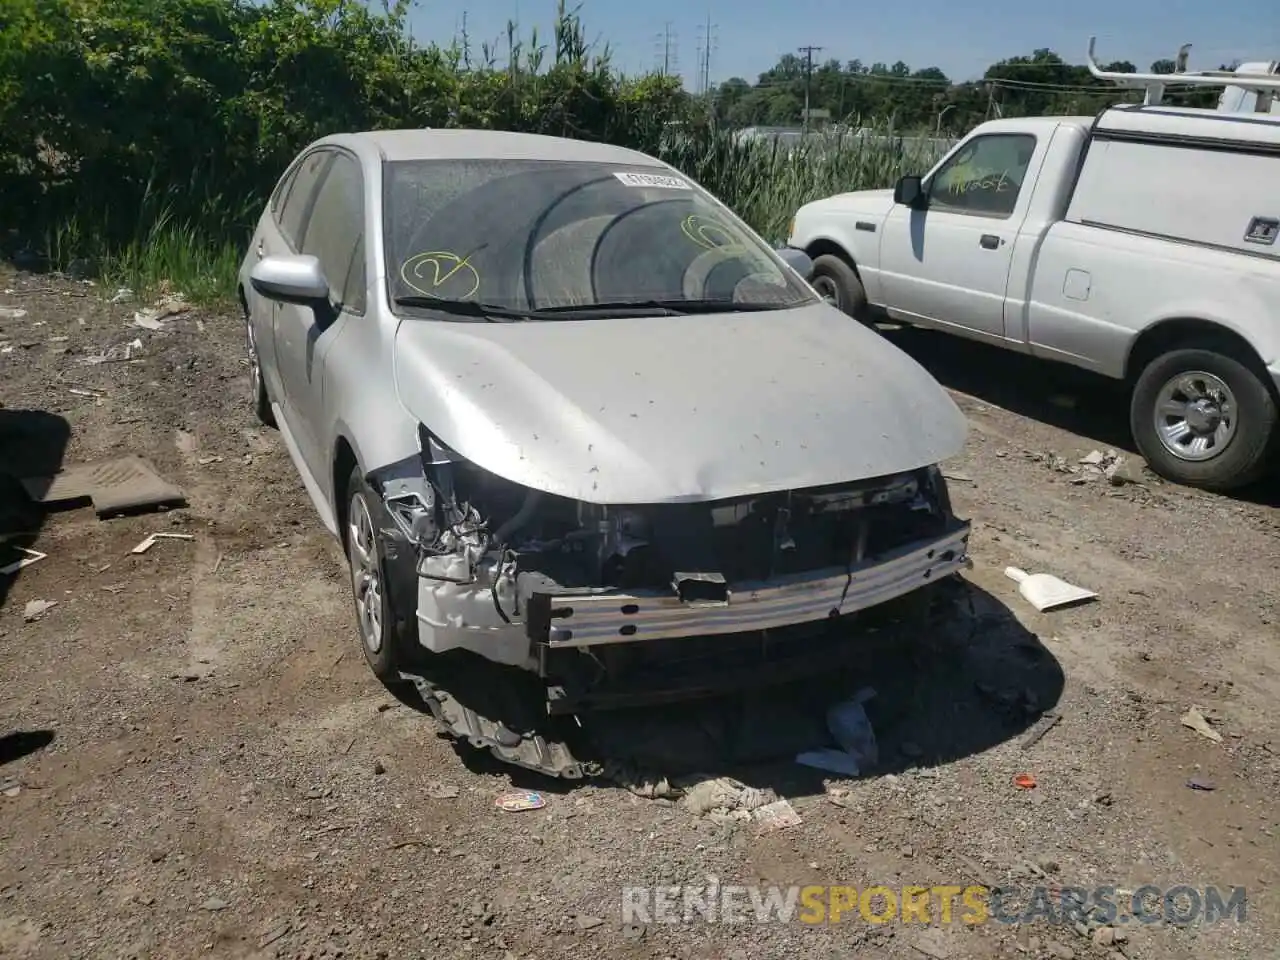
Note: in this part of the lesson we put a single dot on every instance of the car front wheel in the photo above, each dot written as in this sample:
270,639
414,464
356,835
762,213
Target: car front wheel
1203,418
366,557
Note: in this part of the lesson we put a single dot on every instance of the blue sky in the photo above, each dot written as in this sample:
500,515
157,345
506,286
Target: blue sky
962,39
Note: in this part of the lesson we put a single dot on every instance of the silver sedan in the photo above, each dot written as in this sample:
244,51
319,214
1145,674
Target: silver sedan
565,409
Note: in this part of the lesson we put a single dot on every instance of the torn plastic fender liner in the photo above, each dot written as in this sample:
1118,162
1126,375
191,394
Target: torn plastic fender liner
446,588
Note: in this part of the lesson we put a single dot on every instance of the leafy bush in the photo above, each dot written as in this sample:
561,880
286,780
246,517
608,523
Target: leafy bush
144,134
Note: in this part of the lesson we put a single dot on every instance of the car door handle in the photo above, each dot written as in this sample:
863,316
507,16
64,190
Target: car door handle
990,241
261,252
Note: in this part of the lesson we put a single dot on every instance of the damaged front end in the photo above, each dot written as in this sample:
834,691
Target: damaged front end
605,604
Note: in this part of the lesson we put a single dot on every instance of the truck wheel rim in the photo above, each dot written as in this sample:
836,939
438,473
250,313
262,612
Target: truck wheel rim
827,290
366,578
1195,416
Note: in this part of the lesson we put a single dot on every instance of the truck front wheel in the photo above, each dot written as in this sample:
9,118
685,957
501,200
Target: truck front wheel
837,283
1203,418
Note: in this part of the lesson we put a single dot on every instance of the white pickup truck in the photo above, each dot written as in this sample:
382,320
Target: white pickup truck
1141,244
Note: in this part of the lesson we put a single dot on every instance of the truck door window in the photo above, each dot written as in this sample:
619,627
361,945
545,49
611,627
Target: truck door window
985,177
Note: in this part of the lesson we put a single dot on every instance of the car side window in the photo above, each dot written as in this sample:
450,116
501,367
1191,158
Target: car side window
335,231
282,189
295,209
985,177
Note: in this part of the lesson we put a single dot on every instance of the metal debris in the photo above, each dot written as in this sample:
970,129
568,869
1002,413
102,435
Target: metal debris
32,556
520,800
1042,726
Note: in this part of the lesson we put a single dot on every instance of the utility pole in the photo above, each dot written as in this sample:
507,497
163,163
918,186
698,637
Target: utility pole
808,80
667,53
706,47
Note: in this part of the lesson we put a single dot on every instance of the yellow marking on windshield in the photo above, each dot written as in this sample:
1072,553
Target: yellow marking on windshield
709,234
450,276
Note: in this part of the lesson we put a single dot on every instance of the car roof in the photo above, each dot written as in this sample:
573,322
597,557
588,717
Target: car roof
452,144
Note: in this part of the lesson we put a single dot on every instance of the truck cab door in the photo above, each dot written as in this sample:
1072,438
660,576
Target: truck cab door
946,262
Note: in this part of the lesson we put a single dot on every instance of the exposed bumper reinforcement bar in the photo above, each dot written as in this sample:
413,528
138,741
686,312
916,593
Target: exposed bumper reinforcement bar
591,620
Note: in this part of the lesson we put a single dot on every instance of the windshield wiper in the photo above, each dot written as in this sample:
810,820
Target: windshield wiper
672,307
467,308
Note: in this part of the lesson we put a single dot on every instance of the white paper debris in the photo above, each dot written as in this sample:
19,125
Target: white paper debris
35,609
156,317
1193,719
150,542
777,816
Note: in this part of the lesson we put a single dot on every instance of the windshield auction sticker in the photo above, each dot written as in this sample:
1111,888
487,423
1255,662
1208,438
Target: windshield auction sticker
653,180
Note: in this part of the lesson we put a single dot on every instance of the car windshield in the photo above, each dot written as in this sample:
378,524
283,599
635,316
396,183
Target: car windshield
518,237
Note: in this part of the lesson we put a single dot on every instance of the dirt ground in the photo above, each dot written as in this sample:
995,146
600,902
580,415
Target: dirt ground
196,761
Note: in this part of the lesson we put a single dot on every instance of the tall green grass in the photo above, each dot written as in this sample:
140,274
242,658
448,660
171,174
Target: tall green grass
763,181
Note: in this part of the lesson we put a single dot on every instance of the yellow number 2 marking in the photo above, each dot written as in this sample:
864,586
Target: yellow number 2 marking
439,273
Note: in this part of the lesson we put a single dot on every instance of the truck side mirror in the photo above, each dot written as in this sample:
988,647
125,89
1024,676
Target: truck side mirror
909,191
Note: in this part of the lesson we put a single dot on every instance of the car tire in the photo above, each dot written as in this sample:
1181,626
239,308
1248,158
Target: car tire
257,386
380,640
1189,394
837,282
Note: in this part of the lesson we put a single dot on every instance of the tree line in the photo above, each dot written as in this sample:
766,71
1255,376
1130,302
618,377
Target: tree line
1040,84
119,115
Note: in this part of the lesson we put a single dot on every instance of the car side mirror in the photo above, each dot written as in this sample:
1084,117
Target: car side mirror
909,192
292,278
797,260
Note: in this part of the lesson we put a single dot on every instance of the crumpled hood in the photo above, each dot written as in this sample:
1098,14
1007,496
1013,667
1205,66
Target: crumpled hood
668,409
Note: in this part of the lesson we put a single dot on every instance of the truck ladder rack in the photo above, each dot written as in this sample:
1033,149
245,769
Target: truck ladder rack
1154,83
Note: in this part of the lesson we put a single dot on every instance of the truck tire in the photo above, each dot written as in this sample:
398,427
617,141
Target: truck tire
1202,417
836,281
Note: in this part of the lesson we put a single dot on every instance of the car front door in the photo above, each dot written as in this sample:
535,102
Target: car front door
280,234
947,264
333,233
